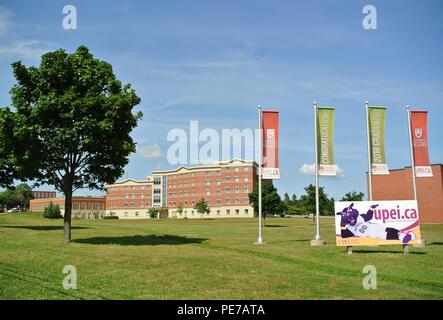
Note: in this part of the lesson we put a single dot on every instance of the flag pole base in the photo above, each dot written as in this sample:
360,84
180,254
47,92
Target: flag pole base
317,242
260,241
420,244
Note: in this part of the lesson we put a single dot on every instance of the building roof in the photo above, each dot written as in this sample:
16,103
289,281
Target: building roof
216,165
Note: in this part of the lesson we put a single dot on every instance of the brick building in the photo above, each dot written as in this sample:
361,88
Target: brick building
82,207
398,186
225,186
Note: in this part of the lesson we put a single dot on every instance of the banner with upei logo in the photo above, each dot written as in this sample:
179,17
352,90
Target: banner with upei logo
419,130
270,145
377,119
373,223
325,141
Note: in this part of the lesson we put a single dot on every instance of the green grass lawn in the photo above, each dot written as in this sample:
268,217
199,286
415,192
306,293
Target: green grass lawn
206,259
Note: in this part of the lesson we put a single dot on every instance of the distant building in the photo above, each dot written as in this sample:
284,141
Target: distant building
398,186
224,185
43,194
82,207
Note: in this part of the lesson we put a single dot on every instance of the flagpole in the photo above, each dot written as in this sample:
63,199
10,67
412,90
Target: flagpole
414,186
317,241
369,152
422,242
260,161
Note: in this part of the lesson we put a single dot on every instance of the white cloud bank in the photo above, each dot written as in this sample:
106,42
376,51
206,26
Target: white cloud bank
150,151
309,169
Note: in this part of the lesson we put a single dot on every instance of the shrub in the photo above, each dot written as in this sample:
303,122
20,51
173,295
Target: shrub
112,215
52,212
152,213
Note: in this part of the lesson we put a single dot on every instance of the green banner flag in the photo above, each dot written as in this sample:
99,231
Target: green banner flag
377,119
325,141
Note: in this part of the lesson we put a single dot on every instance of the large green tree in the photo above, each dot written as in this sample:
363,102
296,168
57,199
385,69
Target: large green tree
307,201
271,201
72,120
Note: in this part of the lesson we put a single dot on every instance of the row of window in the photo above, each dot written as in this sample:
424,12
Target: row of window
207,172
114,188
207,182
132,204
127,196
207,193
217,212
218,202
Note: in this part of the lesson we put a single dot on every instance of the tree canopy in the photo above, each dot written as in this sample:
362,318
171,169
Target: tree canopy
71,124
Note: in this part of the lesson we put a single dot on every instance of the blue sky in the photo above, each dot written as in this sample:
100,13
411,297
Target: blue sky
215,61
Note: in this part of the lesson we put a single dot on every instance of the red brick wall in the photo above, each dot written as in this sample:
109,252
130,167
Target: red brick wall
398,186
188,188
133,196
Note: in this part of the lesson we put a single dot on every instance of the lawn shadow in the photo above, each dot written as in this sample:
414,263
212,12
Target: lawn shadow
436,244
386,251
138,240
44,228
275,226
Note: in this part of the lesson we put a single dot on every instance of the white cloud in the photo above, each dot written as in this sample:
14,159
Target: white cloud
309,169
150,151
5,21
26,49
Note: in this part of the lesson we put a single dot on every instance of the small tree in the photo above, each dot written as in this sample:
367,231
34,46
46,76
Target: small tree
202,207
52,212
180,208
152,213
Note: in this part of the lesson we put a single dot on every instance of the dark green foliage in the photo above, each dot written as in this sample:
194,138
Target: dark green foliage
71,125
153,212
271,201
202,206
16,197
353,196
52,211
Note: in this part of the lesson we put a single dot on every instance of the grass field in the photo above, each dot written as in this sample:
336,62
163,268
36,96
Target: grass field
206,259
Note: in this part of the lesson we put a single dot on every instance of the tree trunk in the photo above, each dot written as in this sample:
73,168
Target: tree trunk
67,217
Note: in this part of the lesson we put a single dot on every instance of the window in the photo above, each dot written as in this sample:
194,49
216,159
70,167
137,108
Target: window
237,200
236,179
245,179
218,192
228,190
237,211
236,169
228,169
208,182
228,201
218,202
228,212
218,212
245,189
218,172
237,190
245,169
208,193
246,211
218,182
246,200
136,214
228,179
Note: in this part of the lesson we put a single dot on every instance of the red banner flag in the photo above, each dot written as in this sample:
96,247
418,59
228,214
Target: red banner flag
270,145
419,131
